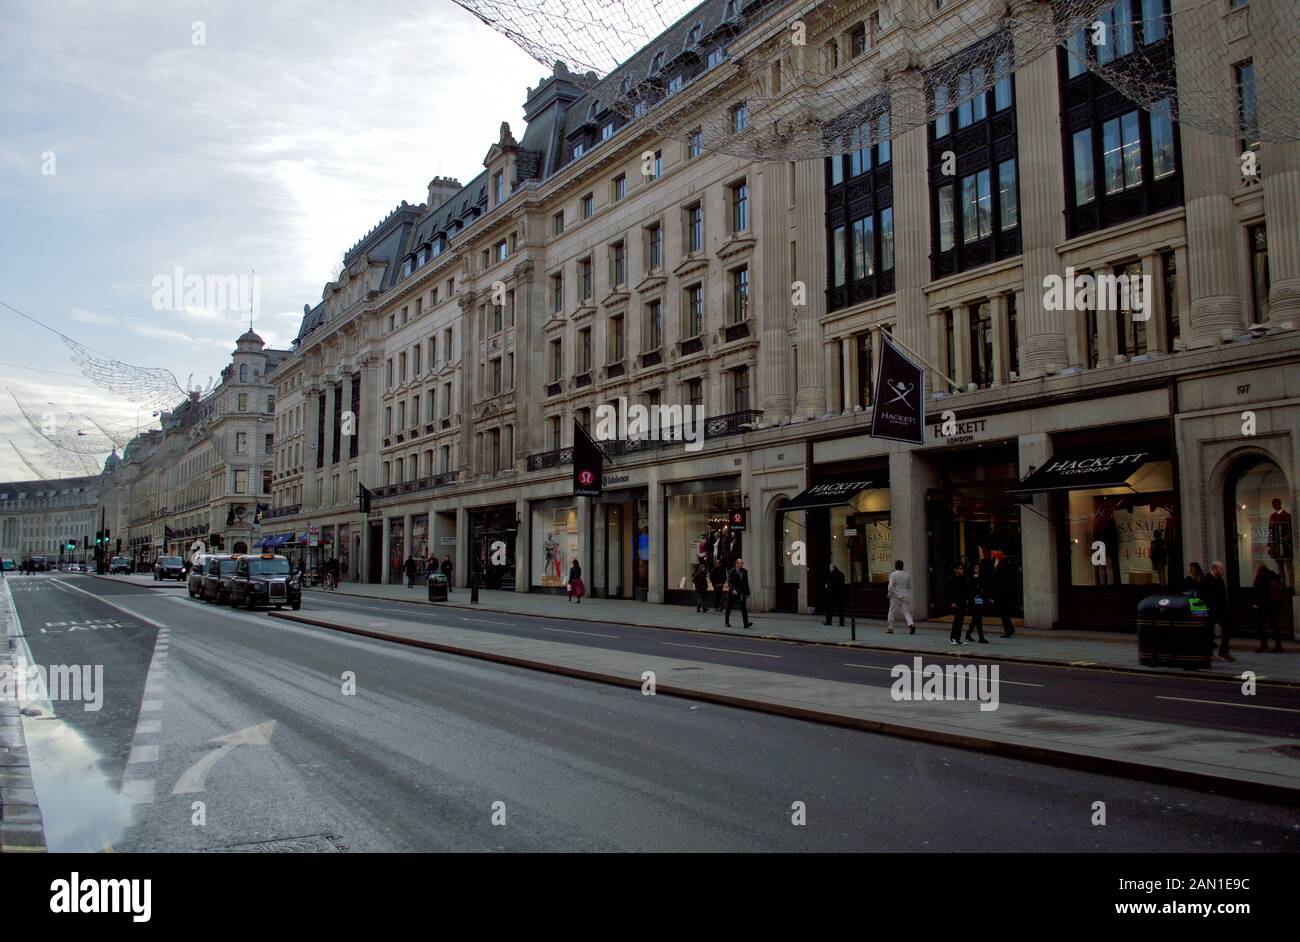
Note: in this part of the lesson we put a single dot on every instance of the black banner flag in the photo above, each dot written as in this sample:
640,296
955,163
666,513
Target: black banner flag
898,406
588,464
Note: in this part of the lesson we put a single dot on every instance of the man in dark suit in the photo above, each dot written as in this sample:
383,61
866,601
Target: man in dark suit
1004,588
738,593
957,590
1214,593
834,601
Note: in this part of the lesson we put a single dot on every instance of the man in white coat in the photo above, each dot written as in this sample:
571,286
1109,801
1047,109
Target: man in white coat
900,598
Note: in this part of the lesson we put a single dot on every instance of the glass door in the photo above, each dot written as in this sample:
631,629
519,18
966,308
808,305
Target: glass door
614,551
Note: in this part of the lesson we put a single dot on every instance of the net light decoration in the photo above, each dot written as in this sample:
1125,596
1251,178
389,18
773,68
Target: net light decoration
810,89
150,387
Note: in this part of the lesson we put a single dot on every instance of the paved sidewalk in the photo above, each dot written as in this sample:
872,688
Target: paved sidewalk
1254,766
1096,650
21,826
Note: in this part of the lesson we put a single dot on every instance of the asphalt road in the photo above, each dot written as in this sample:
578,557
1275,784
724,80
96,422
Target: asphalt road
1174,698
431,746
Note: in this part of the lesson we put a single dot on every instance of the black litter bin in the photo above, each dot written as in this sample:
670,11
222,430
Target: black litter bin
1174,631
437,587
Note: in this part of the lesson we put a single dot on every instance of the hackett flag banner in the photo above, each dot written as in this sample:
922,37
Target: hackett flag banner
588,464
898,406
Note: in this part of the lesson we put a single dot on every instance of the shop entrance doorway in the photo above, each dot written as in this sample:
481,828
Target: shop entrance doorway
375,568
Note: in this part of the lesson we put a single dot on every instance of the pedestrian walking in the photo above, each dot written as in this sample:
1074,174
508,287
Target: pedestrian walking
1214,593
900,598
1261,601
834,594
1160,557
1192,581
981,575
411,569
738,593
577,589
1002,586
957,592
701,580
448,568
718,576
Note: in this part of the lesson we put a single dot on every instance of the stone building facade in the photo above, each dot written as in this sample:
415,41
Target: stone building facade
595,262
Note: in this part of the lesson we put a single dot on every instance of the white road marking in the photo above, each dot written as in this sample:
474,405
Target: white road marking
148,621
484,621
142,754
151,706
1250,706
705,647
195,778
874,667
571,631
138,791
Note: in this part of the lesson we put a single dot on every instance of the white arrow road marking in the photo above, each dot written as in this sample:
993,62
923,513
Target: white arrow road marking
195,778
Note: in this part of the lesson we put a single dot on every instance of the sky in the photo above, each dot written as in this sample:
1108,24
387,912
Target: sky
219,139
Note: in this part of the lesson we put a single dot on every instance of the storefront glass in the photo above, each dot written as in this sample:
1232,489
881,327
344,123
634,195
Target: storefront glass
691,520
344,550
555,546
1134,526
1262,511
872,549
420,536
396,547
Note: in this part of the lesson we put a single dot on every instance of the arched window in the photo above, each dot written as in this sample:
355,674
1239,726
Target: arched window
1259,526
243,372
240,547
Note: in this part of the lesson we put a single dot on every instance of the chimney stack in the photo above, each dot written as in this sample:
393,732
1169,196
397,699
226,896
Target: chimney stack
442,189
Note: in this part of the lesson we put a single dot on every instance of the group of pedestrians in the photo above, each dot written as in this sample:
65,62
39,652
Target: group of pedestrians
731,583
1267,597
988,590
430,565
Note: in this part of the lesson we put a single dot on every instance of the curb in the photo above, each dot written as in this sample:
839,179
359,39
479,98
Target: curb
22,830
1104,765
857,646
151,584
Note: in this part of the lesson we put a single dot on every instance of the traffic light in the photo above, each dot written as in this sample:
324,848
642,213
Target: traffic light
99,538
105,537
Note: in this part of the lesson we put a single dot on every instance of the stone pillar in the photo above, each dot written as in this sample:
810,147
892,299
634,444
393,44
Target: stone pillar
384,575
810,261
656,545
998,320
1183,287
961,345
911,189
1042,227
311,399
462,568
586,549
1281,164
1038,541
849,372
907,483
775,379
523,564
407,545
1157,330
938,345
834,390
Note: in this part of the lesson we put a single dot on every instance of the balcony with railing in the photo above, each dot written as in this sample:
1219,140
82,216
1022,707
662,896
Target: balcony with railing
720,426
286,511
434,482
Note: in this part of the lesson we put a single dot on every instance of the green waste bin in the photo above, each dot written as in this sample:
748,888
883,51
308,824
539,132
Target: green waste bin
1174,630
437,587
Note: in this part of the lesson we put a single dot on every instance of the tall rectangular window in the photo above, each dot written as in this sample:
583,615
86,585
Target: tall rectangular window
695,228
1257,236
654,325
741,388
584,276
977,207
739,207
695,145
694,311
740,294
1130,332
1121,153
887,239
981,345
1162,140
863,248
616,339
620,187
654,247
1084,186
946,234
1008,195
584,350
618,265
1247,107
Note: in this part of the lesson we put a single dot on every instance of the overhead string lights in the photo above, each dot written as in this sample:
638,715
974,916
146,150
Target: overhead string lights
788,80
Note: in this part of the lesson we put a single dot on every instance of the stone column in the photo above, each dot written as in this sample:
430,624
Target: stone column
810,261
523,564
1038,541
775,379
961,345
656,543
911,189
849,372
998,320
938,345
907,484
834,390
586,549
384,575
1183,287
311,399
1281,164
1038,128
1155,301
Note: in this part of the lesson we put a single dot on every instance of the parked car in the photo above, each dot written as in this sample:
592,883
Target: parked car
8,565
194,577
265,580
169,567
38,564
217,573
119,564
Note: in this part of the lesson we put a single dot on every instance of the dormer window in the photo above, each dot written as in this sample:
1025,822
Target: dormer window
406,268
693,37
675,85
579,150
731,10
657,63
421,257
716,57
499,187
607,131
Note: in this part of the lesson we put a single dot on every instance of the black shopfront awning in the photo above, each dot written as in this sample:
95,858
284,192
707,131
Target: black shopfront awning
1110,465
836,493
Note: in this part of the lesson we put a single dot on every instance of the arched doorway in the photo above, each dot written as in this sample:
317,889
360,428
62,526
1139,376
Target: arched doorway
1258,507
789,560
240,547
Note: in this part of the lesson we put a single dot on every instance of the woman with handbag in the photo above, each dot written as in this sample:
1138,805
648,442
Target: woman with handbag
576,587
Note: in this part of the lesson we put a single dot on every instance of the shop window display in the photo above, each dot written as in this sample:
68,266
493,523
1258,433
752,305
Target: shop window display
1136,525
695,521
396,548
1264,529
555,546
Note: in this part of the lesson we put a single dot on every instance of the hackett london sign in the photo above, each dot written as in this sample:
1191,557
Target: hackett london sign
1064,467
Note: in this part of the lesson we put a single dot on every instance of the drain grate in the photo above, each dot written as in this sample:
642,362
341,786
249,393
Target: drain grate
308,844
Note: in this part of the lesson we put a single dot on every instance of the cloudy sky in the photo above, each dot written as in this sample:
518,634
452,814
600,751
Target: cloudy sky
217,138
